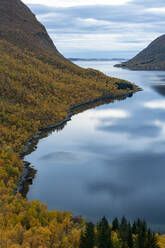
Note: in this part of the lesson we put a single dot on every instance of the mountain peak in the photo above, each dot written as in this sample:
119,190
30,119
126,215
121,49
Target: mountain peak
20,27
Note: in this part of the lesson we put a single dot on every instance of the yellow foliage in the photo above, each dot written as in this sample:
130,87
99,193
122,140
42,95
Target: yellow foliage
37,90
161,241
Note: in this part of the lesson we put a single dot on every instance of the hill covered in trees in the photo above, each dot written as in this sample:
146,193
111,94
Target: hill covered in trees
37,88
151,58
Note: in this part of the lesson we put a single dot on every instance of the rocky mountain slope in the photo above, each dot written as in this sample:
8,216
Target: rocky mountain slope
19,26
151,58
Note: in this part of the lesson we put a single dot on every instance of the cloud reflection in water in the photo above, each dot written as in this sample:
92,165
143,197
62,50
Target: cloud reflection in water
119,153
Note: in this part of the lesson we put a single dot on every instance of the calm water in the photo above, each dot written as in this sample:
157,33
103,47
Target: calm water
109,160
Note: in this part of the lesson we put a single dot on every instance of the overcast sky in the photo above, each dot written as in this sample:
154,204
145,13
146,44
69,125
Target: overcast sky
101,28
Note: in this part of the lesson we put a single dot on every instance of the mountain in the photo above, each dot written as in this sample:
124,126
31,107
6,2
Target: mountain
20,27
151,58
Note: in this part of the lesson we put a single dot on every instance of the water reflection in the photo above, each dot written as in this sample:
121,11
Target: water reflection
60,156
107,113
135,186
143,130
160,88
108,160
156,104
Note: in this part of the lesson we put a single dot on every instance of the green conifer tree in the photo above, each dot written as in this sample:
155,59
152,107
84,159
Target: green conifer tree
115,224
134,228
88,237
104,234
130,238
123,230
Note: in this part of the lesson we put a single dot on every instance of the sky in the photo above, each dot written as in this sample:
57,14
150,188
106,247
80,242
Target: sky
101,28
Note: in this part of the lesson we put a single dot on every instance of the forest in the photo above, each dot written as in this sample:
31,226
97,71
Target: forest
121,234
35,93
37,88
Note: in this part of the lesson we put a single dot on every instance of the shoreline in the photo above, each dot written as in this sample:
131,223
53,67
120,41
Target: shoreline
31,144
131,68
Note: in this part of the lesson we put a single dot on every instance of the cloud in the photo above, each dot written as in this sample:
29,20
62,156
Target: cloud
156,10
89,42
121,25
71,3
149,3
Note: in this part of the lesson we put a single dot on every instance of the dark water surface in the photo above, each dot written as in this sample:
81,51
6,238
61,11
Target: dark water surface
108,160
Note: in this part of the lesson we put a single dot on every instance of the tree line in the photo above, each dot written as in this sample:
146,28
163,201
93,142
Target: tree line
121,234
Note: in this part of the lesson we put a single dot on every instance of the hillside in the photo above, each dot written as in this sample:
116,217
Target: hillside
20,27
38,85
151,58
37,88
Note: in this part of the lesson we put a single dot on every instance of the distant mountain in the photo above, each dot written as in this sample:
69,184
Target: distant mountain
96,59
151,58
